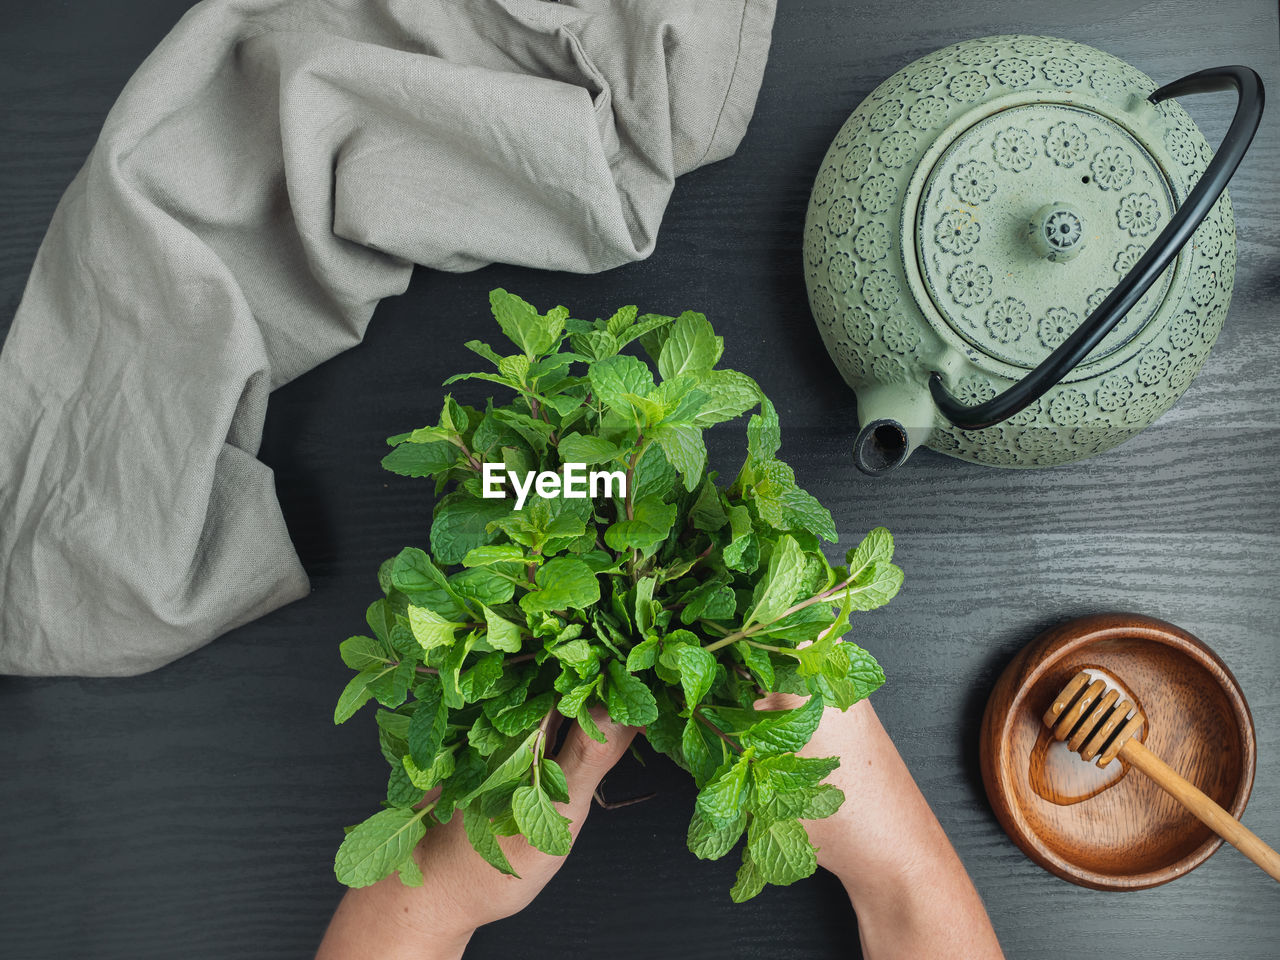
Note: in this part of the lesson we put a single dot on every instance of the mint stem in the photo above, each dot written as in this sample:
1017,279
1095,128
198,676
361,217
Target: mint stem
772,649
540,745
757,627
472,461
636,451
697,714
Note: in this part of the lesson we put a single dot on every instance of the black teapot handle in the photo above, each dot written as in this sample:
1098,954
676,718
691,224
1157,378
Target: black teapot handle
1248,85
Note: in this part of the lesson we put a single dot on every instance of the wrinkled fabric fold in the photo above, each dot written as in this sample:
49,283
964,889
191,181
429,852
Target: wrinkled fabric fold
271,172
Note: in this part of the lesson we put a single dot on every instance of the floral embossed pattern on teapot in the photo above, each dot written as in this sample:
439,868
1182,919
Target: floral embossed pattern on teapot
1019,251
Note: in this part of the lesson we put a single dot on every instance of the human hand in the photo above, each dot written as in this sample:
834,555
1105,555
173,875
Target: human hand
875,783
908,887
387,921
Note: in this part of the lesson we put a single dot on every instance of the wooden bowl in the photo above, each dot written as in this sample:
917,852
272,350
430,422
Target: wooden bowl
1131,834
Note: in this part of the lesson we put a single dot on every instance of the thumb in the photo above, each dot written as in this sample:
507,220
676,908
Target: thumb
585,761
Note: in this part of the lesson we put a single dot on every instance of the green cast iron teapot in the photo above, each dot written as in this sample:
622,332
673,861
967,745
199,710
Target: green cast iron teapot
996,250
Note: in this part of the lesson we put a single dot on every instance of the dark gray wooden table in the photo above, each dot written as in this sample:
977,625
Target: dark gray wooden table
193,812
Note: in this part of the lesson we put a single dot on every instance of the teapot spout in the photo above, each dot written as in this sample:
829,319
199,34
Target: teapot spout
895,419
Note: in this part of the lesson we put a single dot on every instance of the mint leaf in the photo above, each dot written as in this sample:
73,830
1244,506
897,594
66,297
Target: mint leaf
461,523
409,872
712,600
575,700
621,320
864,672
565,584
522,716
578,654
758,663
654,474
482,676
875,546
358,691
523,325
684,449
379,615
650,330
651,523
822,802
506,767
707,513
702,757
421,459
722,800
802,511
376,847
697,672
485,738
642,655
589,726
501,633
875,586
709,840
480,832
553,780
450,670
425,779
536,433
515,369
426,729
538,819
788,786
576,448
847,675
786,771
413,572
401,791
750,880
430,629
483,349
628,700
498,553
781,850
784,731
612,379
743,550
361,652
691,347
645,608
784,577
729,394
764,436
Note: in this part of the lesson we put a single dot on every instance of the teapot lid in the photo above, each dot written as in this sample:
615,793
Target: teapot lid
1029,219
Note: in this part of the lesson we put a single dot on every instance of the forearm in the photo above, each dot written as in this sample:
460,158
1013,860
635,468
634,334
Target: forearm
908,887
389,921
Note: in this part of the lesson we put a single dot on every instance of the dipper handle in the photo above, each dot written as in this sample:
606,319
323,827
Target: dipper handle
1087,717
1210,814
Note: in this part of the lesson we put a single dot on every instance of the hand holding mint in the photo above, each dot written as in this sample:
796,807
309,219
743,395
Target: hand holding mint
669,601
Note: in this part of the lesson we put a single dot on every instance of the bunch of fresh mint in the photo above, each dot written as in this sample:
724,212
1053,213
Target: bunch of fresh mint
675,606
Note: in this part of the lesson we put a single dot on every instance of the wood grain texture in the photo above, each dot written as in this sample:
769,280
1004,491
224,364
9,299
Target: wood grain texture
194,812
1184,703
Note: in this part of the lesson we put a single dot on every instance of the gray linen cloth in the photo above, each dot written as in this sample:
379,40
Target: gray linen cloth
270,173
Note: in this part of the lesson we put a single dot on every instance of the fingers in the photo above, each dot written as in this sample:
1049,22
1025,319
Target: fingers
585,761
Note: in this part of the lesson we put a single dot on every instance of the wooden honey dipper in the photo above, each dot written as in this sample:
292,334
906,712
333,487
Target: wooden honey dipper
1088,718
